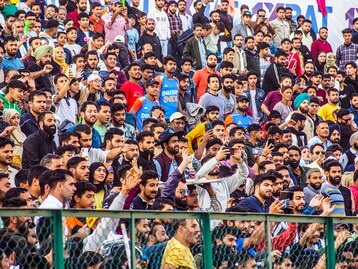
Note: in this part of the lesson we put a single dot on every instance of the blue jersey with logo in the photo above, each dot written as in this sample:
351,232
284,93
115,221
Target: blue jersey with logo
144,112
168,98
243,121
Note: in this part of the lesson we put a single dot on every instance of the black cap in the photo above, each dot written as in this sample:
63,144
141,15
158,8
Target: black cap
52,24
149,54
316,73
151,82
242,97
167,134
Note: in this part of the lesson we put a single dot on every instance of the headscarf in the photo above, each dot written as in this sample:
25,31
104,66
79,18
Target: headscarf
62,63
300,98
334,127
93,167
41,51
17,134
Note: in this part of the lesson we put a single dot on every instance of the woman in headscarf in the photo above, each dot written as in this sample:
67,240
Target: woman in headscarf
59,57
12,117
320,62
98,176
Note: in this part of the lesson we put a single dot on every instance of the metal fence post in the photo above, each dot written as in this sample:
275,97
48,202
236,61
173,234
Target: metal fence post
268,241
133,261
330,253
58,255
207,255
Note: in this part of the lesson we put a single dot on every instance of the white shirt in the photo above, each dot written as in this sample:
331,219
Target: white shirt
162,26
66,109
51,202
255,116
187,21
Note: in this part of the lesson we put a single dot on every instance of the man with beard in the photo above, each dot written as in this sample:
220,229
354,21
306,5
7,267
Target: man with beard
92,61
316,80
330,188
308,70
297,173
295,58
335,134
148,191
146,150
321,44
227,92
288,18
150,37
322,131
257,202
81,7
167,161
195,48
302,104
177,253
240,117
118,112
201,76
143,105
6,155
314,184
239,60
276,70
299,138
10,61
109,85
326,111
186,19
211,114
131,87
347,127
41,70
37,145
349,155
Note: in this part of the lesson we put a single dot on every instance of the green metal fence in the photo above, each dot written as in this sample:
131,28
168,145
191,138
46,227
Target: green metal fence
206,220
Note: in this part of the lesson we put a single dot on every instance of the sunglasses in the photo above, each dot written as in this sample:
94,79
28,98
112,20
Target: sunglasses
184,192
319,152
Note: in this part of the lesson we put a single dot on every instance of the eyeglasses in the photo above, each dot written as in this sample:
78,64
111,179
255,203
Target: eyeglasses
319,152
184,192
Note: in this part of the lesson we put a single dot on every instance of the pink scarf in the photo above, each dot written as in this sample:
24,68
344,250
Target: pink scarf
322,7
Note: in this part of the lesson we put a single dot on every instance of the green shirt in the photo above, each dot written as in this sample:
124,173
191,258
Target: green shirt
8,105
101,130
9,10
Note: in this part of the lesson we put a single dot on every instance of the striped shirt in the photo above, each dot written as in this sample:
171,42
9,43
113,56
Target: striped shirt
336,197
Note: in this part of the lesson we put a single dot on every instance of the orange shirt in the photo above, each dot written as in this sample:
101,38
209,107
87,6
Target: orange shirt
200,79
98,25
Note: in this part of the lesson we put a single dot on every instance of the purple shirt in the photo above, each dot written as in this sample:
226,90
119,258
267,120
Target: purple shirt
272,99
119,27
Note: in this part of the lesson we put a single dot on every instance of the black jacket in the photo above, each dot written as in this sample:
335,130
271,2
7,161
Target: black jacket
154,41
146,161
36,146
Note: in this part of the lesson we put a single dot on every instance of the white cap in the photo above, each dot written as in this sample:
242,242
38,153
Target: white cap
120,39
93,77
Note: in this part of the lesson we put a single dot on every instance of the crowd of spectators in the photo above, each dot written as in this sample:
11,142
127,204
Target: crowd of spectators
106,107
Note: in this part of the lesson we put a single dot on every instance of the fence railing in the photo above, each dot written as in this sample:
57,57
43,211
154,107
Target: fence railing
207,222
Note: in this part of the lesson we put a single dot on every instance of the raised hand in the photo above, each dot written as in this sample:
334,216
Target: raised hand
222,153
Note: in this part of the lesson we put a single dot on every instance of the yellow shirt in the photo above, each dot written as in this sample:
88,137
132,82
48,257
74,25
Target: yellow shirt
326,112
178,255
198,134
98,199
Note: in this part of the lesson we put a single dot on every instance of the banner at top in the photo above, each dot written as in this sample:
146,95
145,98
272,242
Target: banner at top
340,13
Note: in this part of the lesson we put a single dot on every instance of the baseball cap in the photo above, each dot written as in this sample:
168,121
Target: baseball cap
247,13
241,98
151,82
178,115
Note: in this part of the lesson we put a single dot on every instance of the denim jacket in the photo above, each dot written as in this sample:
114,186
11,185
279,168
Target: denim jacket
259,98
